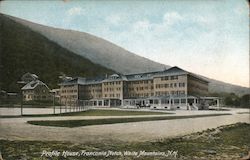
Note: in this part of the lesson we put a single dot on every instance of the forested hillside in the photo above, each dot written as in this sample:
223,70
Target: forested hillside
23,50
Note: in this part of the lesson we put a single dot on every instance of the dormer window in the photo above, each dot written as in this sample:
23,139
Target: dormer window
138,76
114,76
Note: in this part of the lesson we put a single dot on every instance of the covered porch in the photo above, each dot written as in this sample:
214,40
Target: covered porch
101,102
185,102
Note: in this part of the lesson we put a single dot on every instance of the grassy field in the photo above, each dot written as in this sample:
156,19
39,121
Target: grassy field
104,112
93,112
78,123
224,143
107,112
243,113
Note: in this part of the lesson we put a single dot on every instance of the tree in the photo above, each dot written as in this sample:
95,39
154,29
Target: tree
245,101
232,100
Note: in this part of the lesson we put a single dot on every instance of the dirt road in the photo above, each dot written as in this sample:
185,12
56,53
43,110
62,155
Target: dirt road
18,129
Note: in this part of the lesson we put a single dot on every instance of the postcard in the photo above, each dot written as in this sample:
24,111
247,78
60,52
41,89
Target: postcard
124,79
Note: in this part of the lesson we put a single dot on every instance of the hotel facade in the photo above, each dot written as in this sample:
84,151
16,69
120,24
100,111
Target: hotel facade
173,88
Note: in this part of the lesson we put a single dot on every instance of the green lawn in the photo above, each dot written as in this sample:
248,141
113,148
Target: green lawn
78,123
225,143
93,112
105,112
243,113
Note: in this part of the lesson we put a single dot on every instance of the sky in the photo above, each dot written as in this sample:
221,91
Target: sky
207,37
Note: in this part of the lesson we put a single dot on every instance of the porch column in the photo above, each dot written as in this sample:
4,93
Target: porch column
122,102
218,103
170,102
186,102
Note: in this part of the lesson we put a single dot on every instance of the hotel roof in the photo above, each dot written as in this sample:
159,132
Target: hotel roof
33,85
132,77
82,81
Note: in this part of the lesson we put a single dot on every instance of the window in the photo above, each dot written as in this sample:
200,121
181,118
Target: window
183,100
99,103
181,84
164,78
137,76
156,101
176,101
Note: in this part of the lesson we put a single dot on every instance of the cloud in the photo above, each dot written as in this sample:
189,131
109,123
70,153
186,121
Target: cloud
113,19
241,9
141,26
172,17
75,11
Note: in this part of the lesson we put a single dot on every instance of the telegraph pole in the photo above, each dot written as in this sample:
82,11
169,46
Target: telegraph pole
21,94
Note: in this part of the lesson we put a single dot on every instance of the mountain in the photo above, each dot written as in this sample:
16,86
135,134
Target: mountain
23,50
96,49
218,86
109,55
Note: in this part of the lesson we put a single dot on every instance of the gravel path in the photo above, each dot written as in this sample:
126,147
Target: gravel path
18,129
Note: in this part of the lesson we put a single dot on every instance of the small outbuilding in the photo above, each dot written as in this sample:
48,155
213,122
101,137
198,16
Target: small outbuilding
36,90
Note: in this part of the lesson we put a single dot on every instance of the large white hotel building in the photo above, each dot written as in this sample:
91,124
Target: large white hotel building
173,88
